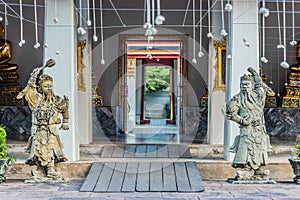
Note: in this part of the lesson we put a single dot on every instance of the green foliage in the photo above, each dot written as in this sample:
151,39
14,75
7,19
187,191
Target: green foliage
298,150
3,147
157,78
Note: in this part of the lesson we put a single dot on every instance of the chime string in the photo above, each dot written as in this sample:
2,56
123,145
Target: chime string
101,29
194,31
284,32
153,13
208,16
186,11
94,19
293,19
278,21
88,13
148,12
200,27
222,13
21,21
158,7
80,13
35,23
6,22
263,31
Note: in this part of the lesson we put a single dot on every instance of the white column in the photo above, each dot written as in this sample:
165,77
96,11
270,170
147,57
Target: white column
216,97
131,82
62,45
244,24
85,96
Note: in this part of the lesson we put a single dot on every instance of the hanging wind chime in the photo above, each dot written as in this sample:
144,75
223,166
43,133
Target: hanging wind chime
88,21
284,63
265,13
209,34
228,6
151,21
279,46
37,44
22,41
95,37
101,29
200,54
194,33
80,29
5,22
293,42
223,31
55,19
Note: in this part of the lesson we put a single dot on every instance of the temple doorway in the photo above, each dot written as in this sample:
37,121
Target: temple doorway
151,96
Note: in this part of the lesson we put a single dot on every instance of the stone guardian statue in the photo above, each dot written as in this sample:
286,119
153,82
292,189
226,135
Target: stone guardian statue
253,143
44,145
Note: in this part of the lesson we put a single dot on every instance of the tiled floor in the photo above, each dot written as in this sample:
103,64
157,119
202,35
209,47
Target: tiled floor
18,190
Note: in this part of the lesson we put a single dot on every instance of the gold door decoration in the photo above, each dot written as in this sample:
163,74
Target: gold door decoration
131,64
220,79
80,65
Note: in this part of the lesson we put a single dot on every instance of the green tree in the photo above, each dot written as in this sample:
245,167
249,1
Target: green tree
157,78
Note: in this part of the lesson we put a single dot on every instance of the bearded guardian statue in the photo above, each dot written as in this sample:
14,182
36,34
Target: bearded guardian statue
253,143
44,145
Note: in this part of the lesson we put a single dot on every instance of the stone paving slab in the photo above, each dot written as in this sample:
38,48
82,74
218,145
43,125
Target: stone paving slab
18,190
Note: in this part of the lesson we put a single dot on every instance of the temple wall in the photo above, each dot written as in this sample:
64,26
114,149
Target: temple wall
281,124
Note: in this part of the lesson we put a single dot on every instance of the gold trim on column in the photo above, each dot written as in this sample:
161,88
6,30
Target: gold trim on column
131,65
80,65
220,47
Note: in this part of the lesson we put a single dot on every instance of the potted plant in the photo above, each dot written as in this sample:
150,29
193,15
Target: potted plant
4,157
295,162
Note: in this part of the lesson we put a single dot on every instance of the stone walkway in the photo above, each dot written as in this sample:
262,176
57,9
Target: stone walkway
17,189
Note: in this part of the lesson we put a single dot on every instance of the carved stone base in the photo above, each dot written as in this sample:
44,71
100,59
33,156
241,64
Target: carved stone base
47,180
2,179
235,181
251,175
297,179
40,176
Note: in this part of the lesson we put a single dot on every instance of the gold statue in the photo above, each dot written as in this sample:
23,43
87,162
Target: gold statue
9,86
292,97
44,145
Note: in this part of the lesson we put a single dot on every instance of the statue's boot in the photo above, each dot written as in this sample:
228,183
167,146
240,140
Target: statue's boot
38,173
52,173
244,174
263,174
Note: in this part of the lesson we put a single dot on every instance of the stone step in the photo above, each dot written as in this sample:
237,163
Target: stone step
155,129
209,169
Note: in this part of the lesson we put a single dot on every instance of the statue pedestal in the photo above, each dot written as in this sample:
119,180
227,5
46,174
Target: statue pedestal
235,181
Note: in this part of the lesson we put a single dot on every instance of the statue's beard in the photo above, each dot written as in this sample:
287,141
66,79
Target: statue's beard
246,98
48,97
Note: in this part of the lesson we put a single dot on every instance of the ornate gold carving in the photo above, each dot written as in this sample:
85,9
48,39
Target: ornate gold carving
97,100
80,65
292,97
131,65
204,98
220,47
9,86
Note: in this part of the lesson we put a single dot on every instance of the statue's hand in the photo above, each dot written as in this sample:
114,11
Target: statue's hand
252,71
246,120
64,126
